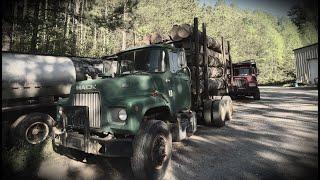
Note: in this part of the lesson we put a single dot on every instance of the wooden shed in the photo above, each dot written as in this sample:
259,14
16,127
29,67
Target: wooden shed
307,64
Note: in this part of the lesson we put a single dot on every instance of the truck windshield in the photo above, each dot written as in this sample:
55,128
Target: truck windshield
142,60
242,71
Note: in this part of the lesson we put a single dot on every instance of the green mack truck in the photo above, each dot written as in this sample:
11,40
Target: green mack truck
143,107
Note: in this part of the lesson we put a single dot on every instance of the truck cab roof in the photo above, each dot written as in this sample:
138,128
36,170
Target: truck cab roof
114,56
244,63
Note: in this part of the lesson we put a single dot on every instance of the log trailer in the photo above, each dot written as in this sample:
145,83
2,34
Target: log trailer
147,104
31,86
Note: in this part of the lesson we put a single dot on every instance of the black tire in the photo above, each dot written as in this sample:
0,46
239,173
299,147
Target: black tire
207,112
193,125
233,96
218,113
32,128
152,148
256,96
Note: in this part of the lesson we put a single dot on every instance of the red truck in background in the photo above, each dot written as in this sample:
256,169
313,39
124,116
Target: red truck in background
245,81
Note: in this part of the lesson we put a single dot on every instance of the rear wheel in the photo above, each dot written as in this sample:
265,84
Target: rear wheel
152,148
219,108
228,107
215,112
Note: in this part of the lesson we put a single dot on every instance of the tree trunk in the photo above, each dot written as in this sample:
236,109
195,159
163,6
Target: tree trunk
35,27
75,7
66,22
81,23
104,42
6,30
15,11
124,39
25,8
45,7
95,37
124,34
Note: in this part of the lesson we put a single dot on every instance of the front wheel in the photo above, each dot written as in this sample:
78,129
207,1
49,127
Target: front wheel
152,148
256,95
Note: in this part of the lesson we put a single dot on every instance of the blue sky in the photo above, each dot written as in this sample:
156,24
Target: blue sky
276,7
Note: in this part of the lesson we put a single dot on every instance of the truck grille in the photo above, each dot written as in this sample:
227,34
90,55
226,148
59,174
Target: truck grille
92,100
240,83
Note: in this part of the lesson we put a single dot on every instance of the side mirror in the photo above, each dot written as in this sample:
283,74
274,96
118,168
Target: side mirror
257,71
182,62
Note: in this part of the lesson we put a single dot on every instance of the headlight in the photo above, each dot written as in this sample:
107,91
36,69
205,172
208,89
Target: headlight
122,115
252,84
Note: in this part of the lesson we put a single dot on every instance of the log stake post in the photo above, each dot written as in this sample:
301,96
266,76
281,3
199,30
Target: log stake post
230,61
205,61
196,59
224,63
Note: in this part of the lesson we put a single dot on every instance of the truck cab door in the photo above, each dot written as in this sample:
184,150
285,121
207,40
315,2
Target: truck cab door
179,81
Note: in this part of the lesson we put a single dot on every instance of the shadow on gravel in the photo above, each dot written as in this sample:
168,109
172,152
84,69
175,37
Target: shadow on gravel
105,168
272,138
243,154
22,161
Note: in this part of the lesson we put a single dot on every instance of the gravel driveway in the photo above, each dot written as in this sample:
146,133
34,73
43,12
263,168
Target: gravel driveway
273,138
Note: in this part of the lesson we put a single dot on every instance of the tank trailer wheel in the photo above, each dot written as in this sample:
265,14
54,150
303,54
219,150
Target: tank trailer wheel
33,128
152,148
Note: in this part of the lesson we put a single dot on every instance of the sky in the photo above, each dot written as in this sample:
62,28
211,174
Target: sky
276,7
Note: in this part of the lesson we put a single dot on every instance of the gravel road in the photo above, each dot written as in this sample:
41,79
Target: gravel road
273,138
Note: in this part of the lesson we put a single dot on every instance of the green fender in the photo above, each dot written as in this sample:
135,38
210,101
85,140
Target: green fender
137,107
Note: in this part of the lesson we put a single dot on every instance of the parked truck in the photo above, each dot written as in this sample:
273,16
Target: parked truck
146,105
31,86
245,79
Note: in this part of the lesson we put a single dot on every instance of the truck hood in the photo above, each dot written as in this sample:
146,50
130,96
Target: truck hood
119,87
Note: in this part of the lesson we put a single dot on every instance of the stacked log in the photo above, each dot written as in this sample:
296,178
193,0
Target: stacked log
155,38
213,84
215,72
183,31
216,83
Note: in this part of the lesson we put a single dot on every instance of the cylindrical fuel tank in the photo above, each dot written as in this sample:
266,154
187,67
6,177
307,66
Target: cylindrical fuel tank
26,75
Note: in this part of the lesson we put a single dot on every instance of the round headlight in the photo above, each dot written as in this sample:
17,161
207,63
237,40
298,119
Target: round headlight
122,115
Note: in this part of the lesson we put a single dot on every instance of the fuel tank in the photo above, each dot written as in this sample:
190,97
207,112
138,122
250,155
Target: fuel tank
26,75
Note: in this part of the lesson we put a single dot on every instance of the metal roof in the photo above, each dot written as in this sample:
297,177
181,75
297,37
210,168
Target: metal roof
306,46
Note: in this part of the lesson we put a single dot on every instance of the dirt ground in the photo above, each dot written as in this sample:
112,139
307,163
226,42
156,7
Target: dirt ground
273,138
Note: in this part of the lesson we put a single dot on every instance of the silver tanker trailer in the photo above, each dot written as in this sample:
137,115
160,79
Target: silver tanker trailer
31,85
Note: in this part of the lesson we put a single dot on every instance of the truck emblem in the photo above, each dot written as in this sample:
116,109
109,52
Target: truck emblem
86,87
